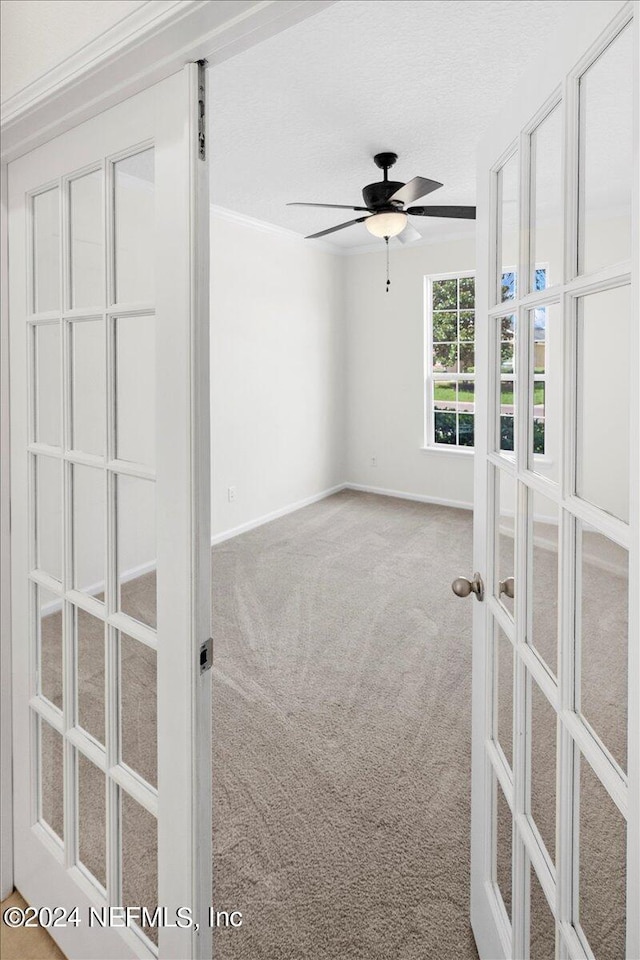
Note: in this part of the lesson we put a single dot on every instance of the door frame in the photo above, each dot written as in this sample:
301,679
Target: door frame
567,57
150,44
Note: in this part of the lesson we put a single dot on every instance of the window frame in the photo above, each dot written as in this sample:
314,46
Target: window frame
429,442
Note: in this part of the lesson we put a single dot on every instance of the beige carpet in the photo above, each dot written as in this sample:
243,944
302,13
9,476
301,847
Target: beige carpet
342,689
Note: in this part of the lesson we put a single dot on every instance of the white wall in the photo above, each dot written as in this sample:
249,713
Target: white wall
385,373
277,371
39,34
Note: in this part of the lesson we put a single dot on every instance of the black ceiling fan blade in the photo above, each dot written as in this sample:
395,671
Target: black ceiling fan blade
340,226
416,188
460,213
335,206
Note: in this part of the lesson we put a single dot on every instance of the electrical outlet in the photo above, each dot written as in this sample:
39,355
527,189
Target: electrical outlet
374,461
233,493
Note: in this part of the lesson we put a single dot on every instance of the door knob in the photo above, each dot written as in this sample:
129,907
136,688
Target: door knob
463,587
508,587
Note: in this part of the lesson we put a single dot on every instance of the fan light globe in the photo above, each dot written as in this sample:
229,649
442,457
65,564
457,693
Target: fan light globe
386,224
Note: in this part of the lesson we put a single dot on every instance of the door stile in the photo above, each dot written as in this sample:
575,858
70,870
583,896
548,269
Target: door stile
633,752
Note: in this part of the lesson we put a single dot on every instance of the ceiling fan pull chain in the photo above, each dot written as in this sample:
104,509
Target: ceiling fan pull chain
386,240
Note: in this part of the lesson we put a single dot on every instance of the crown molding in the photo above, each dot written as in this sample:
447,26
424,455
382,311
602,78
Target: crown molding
144,47
282,233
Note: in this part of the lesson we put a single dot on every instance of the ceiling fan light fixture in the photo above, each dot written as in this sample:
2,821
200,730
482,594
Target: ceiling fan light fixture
386,224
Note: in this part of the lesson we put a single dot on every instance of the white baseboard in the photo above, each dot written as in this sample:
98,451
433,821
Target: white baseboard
274,515
418,497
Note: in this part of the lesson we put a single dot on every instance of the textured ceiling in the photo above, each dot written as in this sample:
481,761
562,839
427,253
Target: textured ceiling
299,116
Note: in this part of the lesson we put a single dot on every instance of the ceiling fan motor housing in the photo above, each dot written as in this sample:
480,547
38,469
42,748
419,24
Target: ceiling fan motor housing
376,195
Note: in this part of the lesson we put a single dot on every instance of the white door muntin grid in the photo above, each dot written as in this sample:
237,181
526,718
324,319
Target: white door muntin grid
167,116
577,742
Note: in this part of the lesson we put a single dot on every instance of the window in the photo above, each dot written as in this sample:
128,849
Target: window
450,362
450,381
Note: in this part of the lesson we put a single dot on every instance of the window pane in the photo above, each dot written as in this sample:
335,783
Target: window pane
445,358
136,389
445,294
49,618
505,362
48,381
48,477
90,660
444,326
139,838
89,407
467,293
546,200
603,635
51,778
134,180
136,549
46,251
606,157
602,881
445,427
508,220
602,469
92,820
466,428
467,325
89,519
87,240
138,708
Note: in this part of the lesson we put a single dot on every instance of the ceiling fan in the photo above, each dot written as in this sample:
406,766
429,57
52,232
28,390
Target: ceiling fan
385,205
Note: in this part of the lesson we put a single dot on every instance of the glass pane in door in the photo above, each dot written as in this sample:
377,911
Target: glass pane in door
602,869
134,215
545,390
546,240
90,667
542,794
503,693
136,389
89,525
139,851
86,240
503,845
506,343
505,532
47,385
88,386
606,157
51,777
136,551
138,708
92,821
602,466
48,518
46,251
542,926
508,229
49,618
602,619
544,537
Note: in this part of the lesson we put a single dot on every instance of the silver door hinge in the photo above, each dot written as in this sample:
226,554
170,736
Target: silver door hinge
202,110
206,655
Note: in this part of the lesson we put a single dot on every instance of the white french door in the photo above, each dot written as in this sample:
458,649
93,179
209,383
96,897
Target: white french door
556,661
108,244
